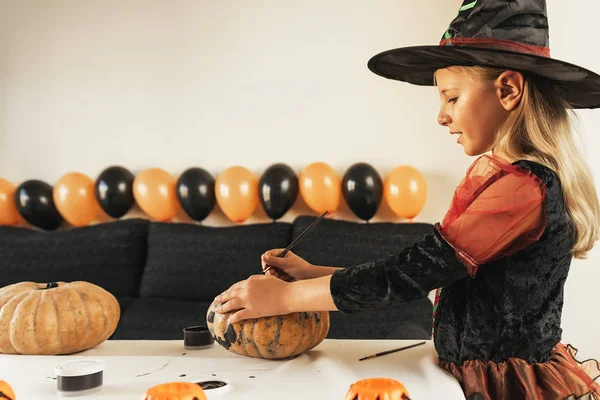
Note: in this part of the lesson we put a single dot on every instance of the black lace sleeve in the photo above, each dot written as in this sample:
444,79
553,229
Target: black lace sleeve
408,275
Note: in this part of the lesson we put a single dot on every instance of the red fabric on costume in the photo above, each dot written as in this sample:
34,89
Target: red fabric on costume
497,209
560,378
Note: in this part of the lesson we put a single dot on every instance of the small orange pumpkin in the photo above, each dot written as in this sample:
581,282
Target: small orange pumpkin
175,391
6,391
275,337
377,388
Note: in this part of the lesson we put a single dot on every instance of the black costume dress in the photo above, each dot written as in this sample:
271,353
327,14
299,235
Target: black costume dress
499,261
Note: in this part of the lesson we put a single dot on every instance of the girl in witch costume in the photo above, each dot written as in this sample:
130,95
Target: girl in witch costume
500,256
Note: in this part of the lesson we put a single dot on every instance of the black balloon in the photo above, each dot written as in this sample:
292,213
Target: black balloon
114,191
278,190
196,193
35,204
362,189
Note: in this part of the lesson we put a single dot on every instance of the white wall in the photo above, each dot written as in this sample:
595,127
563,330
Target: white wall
85,85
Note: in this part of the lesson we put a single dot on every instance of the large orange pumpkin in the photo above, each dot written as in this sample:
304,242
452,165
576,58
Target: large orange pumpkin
55,318
6,391
175,391
377,388
274,337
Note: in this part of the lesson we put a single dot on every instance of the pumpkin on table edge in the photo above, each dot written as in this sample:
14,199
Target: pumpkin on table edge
6,391
55,318
275,337
377,388
175,391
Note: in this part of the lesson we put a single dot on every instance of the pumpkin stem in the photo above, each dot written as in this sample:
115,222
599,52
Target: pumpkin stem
51,285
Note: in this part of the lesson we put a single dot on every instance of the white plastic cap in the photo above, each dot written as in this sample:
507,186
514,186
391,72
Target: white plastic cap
79,367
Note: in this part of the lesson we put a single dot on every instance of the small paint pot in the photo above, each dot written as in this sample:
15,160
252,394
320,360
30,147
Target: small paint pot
214,386
197,337
79,377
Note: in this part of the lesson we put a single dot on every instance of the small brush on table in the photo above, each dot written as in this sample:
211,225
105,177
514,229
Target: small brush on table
383,353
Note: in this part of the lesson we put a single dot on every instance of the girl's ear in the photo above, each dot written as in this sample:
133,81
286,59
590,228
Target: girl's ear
509,88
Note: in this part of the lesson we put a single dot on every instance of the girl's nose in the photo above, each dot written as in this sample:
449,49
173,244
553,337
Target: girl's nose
443,118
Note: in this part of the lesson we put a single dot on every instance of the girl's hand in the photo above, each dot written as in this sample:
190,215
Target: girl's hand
255,297
289,267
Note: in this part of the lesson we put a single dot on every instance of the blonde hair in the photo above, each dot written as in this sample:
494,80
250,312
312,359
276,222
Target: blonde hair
540,129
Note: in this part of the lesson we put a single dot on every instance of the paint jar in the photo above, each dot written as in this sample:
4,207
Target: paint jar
197,337
214,386
79,377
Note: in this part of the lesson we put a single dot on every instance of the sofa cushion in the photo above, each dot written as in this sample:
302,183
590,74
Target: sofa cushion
110,255
344,243
159,319
193,262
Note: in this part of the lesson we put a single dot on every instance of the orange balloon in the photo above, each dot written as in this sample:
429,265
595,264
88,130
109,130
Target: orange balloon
75,199
236,190
154,192
405,190
320,187
9,215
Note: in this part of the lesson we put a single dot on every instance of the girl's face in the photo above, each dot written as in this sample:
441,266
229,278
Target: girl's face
470,108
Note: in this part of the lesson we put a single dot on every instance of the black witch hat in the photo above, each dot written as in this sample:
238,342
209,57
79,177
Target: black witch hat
511,34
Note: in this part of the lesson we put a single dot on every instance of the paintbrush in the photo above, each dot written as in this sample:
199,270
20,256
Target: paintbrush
297,239
383,353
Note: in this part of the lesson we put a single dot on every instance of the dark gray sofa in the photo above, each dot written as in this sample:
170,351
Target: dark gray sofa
165,275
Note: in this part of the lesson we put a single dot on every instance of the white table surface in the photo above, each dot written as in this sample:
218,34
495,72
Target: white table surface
326,372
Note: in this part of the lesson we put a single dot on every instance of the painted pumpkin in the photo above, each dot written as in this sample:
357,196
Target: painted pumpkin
6,391
175,391
55,318
274,337
377,388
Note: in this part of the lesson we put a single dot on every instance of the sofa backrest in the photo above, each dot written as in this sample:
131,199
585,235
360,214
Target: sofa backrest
110,255
341,243
194,262
135,257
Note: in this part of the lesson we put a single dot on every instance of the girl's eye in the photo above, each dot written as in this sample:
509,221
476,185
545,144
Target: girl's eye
452,100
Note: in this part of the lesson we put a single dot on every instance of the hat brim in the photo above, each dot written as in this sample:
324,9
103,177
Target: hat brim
417,65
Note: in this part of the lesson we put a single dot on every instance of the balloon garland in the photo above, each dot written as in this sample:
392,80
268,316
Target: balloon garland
114,191
278,189
405,191
154,192
362,189
35,203
81,201
195,190
9,215
74,198
237,193
320,188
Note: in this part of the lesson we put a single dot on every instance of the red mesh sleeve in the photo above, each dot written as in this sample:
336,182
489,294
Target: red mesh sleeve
497,210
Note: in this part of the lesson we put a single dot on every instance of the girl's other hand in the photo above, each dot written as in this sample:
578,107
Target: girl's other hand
255,297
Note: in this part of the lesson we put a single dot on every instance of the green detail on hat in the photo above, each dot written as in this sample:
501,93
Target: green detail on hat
468,6
447,35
